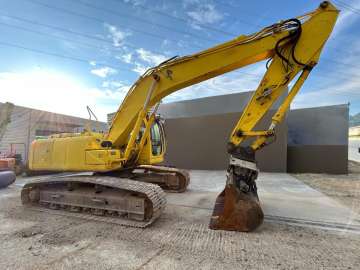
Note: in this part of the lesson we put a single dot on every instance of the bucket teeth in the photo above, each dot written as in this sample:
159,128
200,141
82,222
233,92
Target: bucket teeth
235,210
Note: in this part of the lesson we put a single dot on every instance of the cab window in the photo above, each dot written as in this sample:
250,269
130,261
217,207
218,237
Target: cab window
156,141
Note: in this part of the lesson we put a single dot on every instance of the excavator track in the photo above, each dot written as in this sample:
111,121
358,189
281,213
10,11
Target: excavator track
107,199
168,178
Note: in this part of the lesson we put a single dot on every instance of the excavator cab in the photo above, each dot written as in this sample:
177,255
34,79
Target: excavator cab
154,151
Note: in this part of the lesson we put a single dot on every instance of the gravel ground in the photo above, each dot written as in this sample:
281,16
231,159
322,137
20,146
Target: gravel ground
344,188
180,239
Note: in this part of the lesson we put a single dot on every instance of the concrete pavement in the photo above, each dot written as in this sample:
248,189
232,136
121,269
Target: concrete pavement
283,198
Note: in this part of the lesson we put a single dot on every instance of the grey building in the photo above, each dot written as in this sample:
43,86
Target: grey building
318,139
197,132
19,126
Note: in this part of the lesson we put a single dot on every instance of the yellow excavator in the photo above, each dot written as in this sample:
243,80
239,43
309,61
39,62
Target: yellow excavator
117,179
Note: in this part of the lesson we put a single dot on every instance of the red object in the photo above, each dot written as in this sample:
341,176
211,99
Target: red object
7,164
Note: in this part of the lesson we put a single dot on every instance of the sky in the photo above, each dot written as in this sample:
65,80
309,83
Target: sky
61,56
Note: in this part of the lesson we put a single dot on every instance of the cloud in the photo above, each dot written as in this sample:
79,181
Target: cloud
165,43
347,17
150,58
145,60
182,43
135,2
140,68
116,35
205,14
116,95
126,58
333,93
112,84
201,12
233,82
59,93
188,3
103,72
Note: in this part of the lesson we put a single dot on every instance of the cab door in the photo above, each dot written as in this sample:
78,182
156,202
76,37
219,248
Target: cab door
155,145
157,139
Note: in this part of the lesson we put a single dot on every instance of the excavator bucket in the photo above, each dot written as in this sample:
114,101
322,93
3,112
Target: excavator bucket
235,210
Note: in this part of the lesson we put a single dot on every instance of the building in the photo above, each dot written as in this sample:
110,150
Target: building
19,126
318,139
309,140
354,131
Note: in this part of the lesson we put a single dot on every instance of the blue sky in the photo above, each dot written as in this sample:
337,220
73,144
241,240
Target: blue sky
108,44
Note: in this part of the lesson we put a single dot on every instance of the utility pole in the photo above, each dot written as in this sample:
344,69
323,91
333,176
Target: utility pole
28,136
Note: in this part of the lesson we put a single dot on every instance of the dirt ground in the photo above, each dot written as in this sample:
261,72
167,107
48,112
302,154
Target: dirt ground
344,188
180,239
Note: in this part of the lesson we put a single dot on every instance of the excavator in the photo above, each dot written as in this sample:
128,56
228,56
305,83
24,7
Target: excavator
113,176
